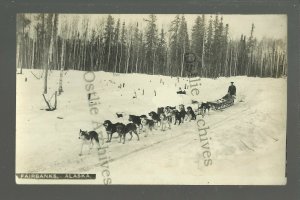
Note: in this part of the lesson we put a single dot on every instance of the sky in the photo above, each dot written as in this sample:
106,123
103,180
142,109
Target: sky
271,26
267,25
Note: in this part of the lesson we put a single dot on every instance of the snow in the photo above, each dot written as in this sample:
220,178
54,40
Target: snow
247,141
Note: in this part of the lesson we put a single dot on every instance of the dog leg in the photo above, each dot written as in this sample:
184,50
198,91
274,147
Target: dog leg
108,138
97,141
137,135
163,126
98,144
120,136
91,146
80,154
124,138
130,135
139,129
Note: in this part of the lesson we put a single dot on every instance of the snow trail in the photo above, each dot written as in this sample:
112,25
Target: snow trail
244,138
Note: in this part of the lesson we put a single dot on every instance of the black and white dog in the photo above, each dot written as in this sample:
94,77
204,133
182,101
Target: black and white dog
190,113
110,129
124,129
177,117
168,112
88,138
147,123
155,117
136,120
204,107
164,122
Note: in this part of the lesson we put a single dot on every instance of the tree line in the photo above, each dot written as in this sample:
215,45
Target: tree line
114,46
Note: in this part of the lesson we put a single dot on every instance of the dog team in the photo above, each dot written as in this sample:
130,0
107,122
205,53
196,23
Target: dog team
163,118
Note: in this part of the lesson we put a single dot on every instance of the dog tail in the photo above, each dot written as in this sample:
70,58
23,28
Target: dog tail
97,138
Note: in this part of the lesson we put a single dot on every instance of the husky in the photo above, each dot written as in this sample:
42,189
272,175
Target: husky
205,107
190,113
164,121
168,112
88,138
110,129
155,117
182,112
177,117
124,129
136,120
147,123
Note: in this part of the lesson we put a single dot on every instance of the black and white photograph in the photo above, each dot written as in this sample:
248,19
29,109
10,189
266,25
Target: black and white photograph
151,99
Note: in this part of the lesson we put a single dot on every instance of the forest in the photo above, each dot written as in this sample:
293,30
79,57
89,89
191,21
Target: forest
51,42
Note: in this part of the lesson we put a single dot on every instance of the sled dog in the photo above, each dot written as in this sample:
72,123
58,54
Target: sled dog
88,138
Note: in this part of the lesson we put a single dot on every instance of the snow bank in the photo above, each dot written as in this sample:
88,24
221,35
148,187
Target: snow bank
247,139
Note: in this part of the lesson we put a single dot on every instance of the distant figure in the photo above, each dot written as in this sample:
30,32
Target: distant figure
232,90
123,85
180,91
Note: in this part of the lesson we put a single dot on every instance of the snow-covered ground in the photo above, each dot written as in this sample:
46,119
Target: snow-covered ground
246,141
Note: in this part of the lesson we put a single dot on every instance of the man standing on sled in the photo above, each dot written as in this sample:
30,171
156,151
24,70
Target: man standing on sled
231,92
232,89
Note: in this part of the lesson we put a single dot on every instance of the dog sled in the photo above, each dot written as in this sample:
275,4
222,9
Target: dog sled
224,102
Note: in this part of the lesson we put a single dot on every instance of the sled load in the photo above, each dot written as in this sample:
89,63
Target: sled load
222,103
